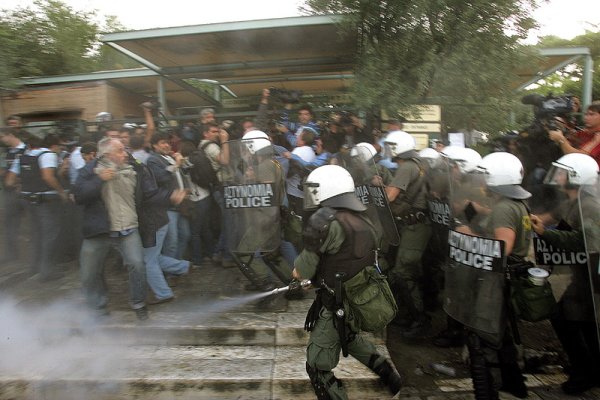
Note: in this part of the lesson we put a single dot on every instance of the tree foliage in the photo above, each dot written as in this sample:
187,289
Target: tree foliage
569,79
451,52
52,38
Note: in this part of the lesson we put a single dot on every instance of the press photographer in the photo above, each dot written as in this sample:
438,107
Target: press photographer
537,149
586,141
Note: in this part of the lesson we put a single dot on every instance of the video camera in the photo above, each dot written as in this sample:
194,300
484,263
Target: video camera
286,96
545,109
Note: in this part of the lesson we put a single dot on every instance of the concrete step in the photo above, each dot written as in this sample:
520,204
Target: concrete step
181,372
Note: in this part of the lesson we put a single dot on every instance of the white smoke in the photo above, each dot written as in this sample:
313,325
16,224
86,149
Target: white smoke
57,341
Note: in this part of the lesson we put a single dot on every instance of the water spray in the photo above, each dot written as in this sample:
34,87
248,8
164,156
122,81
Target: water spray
293,286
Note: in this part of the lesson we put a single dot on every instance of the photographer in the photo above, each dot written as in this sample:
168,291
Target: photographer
292,130
586,141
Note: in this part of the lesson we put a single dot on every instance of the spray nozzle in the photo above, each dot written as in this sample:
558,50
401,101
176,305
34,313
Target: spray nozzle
294,285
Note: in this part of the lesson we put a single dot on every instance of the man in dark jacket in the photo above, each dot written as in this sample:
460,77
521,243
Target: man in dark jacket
112,191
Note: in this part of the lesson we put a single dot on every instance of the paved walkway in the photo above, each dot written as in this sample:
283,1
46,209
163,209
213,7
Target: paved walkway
213,325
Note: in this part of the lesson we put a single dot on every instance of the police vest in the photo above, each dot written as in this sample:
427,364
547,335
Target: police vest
356,252
31,176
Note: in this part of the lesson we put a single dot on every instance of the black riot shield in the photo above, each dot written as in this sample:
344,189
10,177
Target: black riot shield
369,180
475,281
253,191
438,204
589,205
474,289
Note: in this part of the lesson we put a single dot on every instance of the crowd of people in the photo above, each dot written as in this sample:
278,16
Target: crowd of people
140,190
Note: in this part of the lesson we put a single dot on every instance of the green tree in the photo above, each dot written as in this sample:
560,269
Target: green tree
569,79
52,38
451,52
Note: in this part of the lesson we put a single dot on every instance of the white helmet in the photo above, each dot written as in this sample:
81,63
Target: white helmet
504,174
573,169
364,151
399,144
331,186
256,140
430,155
104,116
466,159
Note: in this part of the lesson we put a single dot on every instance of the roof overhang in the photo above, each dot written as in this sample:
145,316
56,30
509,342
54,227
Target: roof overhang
301,53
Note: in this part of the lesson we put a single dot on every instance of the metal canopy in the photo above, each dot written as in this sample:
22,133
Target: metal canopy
554,59
241,58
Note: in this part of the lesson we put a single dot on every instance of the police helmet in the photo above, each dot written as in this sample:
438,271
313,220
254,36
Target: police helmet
399,144
255,141
364,151
104,116
503,175
466,159
430,155
331,186
573,169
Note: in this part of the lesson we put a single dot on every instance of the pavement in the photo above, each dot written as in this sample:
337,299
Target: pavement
214,341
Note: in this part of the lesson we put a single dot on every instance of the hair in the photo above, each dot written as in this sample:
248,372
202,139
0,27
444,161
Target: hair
106,145
307,108
186,147
136,142
33,141
330,144
308,136
89,147
206,127
595,106
206,111
50,140
157,137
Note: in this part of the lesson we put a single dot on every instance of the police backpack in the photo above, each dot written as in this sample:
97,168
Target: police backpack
370,303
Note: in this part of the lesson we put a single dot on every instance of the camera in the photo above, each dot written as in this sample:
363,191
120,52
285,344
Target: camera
545,109
537,150
286,96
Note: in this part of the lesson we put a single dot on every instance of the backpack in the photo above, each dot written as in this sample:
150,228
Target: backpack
370,304
201,171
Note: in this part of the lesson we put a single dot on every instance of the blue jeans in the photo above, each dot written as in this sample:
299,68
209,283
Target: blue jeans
178,235
91,260
157,263
202,238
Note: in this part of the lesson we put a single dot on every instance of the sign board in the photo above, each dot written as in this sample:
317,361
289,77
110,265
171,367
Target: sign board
456,139
425,112
429,127
421,112
422,140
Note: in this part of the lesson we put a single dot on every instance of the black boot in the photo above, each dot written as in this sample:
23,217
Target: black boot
388,374
513,381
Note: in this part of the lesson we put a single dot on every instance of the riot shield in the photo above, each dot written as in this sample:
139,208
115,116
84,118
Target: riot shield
438,204
474,289
252,194
369,180
475,282
589,206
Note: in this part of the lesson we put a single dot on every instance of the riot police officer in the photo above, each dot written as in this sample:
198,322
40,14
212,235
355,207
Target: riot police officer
575,323
407,196
492,351
340,242
252,199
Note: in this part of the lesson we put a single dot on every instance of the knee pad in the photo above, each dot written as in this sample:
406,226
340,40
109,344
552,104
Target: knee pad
320,387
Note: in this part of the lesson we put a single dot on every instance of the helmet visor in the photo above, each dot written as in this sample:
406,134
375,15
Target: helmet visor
389,149
560,175
312,195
